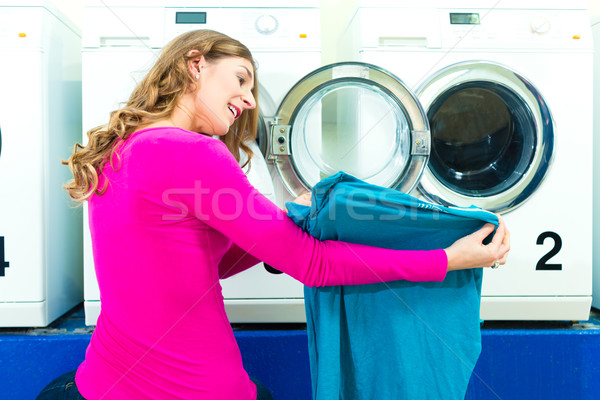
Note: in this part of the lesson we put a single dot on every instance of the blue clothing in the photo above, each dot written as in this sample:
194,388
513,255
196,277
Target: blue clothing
64,388
61,388
396,340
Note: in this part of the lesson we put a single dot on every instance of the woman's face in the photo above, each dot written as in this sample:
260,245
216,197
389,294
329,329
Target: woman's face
223,92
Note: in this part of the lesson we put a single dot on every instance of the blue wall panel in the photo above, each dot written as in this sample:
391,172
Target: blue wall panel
557,364
278,358
561,363
28,363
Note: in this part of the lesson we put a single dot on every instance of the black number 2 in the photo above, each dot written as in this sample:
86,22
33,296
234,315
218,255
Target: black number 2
3,262
542,265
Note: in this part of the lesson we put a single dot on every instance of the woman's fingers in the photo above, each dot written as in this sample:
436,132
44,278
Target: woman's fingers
501,241
470,252
499,235
484,232
505,247
304,199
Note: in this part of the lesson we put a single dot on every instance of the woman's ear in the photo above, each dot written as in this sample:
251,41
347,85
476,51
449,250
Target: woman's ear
195,64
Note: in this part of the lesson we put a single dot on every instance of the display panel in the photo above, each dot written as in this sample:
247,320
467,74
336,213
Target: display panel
190,17
464,19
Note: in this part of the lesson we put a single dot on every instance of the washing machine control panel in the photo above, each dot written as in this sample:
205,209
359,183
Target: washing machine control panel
499,28
154,26
285,28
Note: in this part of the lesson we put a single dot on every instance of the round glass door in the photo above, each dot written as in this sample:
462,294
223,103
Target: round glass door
492,136
350,117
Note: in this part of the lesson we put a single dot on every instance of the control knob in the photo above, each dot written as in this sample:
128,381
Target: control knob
266,24
540,25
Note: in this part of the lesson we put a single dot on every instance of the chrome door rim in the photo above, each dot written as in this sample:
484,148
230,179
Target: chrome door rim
475,71
350,72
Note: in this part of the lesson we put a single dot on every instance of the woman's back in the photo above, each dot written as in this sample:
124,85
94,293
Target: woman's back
163,331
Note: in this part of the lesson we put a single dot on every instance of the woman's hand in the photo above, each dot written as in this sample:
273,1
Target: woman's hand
304,199
470,252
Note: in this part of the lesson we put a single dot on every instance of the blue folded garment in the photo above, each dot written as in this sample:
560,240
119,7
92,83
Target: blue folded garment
395,340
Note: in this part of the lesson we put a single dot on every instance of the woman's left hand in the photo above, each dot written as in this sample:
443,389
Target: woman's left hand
304,199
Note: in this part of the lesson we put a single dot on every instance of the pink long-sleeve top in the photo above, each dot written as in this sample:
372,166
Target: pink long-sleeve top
177,215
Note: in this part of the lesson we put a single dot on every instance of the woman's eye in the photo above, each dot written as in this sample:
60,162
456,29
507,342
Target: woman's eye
241,79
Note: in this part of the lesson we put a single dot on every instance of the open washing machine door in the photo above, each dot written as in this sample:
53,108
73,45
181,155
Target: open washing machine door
351,117
492,136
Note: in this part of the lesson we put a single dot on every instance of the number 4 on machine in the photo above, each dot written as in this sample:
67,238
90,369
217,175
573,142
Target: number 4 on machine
3,262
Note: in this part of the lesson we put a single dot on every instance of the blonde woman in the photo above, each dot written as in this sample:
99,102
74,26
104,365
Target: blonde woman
171,213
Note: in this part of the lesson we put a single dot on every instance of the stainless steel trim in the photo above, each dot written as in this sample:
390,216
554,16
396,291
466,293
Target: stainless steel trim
280,140
266,113
469,71
262,135
421,144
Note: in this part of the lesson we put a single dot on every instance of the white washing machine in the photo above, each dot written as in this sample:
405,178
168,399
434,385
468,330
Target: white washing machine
596,112
121,41
40,121
507,91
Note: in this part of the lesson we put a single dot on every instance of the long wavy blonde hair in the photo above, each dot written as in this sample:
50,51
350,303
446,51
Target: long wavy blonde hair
154,99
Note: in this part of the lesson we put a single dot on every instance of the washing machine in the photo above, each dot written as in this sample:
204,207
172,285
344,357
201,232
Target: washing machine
40,121
507,90
121,41
595,21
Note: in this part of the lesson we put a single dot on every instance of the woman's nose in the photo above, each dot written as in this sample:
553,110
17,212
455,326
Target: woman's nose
249,101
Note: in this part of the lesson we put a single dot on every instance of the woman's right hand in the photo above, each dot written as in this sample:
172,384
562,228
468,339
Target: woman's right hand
470,252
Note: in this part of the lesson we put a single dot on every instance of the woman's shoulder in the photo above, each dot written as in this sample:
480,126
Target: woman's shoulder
180,147
173,140
171,135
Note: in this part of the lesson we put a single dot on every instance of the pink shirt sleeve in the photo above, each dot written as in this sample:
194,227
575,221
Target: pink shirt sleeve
235,261
214,189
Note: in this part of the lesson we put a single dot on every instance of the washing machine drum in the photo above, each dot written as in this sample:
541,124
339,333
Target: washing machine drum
492,136
351,117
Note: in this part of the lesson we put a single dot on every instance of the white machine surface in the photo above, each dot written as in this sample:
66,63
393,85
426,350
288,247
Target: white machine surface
596,112
507,90
40,121
121,40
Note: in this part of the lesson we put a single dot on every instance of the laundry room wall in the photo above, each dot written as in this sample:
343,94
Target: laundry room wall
335,15
594,7
72,9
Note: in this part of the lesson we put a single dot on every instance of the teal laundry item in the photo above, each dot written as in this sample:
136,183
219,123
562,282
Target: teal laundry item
395,340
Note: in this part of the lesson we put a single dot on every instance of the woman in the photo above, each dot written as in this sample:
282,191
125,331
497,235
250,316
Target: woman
171,213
